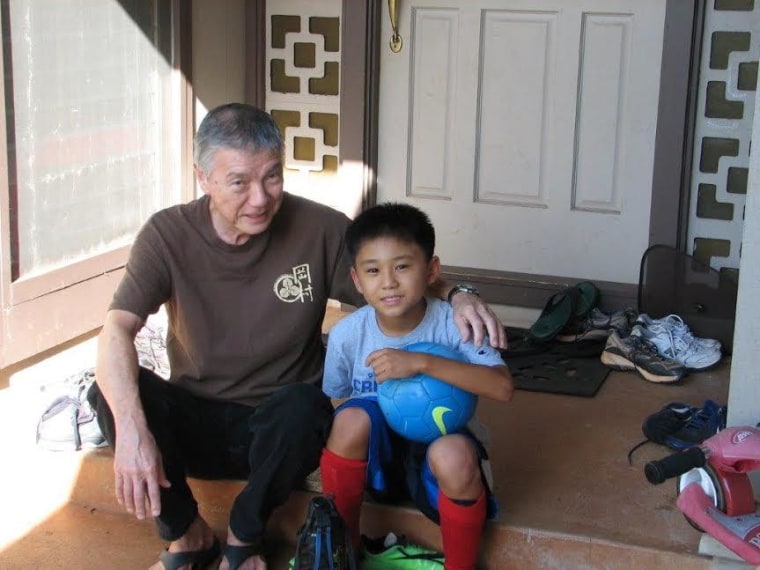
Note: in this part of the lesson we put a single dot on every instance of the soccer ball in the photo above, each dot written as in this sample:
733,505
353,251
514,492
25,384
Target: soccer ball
422,408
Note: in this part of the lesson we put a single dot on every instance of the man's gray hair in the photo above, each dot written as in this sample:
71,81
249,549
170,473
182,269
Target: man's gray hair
235,126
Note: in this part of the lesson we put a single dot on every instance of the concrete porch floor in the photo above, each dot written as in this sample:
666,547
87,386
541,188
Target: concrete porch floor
569,499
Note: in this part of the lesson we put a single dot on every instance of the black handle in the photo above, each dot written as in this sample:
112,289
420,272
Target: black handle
674,465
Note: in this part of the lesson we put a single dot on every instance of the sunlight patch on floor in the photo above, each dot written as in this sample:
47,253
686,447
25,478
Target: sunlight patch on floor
34,483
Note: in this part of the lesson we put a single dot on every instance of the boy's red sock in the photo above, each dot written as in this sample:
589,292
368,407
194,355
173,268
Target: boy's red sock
344,479
461,529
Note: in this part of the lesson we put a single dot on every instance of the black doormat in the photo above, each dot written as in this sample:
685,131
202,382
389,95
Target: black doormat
556,367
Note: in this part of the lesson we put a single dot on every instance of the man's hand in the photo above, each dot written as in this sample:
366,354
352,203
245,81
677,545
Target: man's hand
139,472
474,318
388,363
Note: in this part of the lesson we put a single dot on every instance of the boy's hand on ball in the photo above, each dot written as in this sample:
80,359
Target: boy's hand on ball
389,363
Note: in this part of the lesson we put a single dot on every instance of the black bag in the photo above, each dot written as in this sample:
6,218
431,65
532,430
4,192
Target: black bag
323,540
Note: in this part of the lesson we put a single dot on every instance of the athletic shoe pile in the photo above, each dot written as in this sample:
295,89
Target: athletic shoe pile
675,341
661,350
598,325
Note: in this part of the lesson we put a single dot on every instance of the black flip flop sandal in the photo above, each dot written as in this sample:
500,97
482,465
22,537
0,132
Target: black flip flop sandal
198,559
236,555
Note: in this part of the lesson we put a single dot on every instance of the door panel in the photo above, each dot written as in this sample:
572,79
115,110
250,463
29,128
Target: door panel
528,37
525,130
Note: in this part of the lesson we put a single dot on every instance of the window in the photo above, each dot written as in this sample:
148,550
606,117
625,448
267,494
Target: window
92,131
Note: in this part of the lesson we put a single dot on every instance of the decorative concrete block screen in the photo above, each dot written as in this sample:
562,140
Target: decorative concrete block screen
303,91
725,109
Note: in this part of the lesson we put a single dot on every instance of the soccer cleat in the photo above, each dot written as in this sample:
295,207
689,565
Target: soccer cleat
635,353
678,346
598,325
394,552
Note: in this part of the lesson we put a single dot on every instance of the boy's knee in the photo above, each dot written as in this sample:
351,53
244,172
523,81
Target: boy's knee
454,456
352,421
350,431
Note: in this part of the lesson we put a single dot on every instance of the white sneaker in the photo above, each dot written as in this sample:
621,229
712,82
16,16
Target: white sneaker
686,350
676,326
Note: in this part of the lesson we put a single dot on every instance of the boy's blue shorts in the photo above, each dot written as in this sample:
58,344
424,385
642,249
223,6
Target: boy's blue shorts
398,469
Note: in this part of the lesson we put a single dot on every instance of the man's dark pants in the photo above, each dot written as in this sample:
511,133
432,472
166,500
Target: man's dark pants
273,446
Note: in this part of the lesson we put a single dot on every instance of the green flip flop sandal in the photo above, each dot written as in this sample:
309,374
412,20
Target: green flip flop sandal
588,295
557,312
569,305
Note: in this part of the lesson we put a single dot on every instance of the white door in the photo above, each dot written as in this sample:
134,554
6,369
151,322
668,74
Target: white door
525,129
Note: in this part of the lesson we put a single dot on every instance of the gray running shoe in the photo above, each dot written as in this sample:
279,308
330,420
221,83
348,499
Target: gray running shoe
675,325
598,325
680,347
635,353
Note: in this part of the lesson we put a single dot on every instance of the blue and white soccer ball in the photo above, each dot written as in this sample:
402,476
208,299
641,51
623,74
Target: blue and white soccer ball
422,408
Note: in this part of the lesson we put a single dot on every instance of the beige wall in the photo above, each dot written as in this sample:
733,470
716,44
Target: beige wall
218,54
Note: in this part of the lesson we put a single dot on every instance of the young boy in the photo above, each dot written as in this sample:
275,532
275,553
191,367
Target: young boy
391,246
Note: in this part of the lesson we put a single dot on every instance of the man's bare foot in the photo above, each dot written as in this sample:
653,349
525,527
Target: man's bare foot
253,562
199,537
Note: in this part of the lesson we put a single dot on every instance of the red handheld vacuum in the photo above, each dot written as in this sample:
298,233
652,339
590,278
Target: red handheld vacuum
714,491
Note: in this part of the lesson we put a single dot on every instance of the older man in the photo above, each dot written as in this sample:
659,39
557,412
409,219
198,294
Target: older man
245,273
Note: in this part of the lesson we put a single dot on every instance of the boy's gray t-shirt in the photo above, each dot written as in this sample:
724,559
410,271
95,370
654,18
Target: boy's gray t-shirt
354,337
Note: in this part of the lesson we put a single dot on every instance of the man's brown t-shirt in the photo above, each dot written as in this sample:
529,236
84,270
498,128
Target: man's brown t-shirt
243,320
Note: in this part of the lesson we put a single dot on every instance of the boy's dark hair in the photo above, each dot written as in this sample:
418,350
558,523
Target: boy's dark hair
401,221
